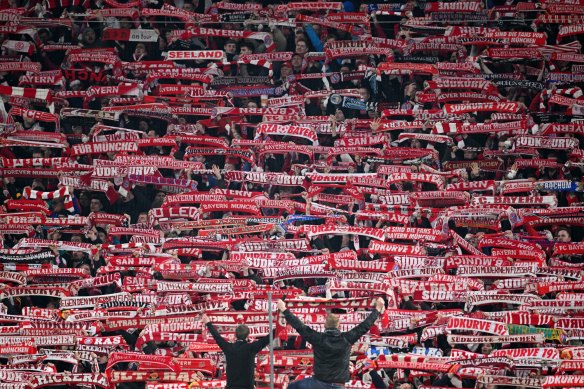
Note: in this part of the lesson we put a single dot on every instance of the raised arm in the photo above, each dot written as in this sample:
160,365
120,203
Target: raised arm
353,335
306,332
221,342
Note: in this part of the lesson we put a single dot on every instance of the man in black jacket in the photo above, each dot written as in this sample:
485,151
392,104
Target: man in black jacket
239,355
332,348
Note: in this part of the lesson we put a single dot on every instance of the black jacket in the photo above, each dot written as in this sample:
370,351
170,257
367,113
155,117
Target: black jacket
240,358
331,348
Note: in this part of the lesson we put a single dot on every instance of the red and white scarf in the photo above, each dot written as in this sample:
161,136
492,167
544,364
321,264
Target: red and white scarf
29,193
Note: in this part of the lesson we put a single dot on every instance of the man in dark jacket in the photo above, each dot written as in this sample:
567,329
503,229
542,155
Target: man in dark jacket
332,348
239,355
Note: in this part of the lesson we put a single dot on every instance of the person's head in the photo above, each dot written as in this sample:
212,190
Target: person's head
332,321
140,49
86,267
297,61
301,47
564,235
44,35
84,199
470,154
77,238
158,199
143,126
330,38
405,385
142,217
364,93
126,22
75,85
160,196
78,256
230,46
486,348
88,37
95,205
286,70
101,234
246,48
241,332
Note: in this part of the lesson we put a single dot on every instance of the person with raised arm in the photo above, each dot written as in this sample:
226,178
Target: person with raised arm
239,355
332,348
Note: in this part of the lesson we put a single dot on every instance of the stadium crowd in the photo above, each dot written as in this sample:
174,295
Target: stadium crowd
165,159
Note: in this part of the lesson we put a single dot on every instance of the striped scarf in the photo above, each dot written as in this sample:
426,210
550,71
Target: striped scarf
546,94
61,192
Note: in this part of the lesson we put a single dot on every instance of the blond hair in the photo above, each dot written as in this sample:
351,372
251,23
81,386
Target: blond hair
332,321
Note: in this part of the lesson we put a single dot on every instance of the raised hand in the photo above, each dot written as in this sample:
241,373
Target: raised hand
375,124
216,172
281,305
379,304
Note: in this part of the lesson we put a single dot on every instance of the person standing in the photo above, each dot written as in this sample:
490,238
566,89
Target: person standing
239,355
332,348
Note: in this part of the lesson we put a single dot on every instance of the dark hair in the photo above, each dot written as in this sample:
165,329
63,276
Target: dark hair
567,229
241,332
248,45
